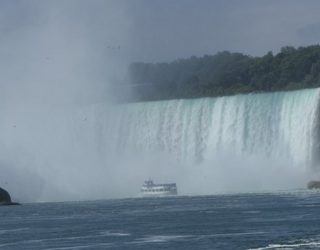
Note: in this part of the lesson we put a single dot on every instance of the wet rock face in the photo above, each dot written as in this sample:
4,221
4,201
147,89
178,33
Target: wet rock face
4,196
314,185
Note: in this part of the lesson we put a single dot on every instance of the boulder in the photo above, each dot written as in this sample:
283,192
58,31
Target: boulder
313,185
5,198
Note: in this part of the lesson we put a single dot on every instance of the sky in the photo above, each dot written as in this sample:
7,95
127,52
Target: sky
91,42
156,30
166,30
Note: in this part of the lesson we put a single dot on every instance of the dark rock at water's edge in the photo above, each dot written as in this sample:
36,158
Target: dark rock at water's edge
5,199
313,185
4,196
9,203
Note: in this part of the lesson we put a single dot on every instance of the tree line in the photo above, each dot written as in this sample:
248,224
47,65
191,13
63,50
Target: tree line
226,73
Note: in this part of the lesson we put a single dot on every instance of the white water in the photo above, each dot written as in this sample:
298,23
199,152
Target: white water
208,145
278,125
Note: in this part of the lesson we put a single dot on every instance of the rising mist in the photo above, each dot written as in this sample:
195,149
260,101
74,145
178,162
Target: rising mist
62,136
56,58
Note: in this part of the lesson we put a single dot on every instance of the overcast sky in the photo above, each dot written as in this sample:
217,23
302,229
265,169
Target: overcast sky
161,30
81,41
165,30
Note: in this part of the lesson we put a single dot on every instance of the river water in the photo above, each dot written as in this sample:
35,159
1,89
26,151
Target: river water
283,220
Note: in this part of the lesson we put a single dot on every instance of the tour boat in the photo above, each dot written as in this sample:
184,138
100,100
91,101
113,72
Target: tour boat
151,189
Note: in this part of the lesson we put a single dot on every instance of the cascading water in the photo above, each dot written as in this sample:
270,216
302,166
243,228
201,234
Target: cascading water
207,145
277,125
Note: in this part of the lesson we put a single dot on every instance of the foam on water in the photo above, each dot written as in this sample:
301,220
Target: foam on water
119,234
160,238
289,246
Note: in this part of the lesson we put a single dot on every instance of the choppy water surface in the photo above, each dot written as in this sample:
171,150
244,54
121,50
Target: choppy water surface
245,221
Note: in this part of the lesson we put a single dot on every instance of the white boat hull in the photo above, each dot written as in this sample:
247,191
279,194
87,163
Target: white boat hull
158,194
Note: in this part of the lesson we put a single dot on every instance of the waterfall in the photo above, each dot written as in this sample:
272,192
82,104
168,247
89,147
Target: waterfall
276,125
242,142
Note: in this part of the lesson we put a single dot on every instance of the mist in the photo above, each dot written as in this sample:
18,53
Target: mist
60,62
56,57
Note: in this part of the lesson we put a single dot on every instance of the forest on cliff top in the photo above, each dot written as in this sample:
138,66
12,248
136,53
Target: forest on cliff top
226,73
